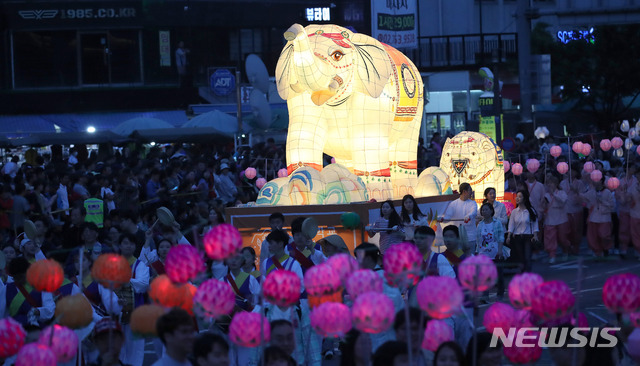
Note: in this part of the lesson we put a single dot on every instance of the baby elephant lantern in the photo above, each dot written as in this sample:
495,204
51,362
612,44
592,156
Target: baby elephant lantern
355,99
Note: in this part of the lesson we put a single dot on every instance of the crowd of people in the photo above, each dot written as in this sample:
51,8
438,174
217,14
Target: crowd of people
85,206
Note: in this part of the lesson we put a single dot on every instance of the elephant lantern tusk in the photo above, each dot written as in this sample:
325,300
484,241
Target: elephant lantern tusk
293,32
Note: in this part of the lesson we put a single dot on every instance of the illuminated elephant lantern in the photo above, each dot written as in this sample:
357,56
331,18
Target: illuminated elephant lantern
355,99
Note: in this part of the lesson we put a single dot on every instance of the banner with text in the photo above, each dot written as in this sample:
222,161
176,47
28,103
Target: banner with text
395,22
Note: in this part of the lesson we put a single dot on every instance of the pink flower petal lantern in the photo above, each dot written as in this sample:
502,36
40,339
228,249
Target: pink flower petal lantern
577,147
499,315
507,166
260,182
635,319
621,293
12,337
344,264
562,167
555,151
552,300
364,280
214,298
321,280
183,263
516,169
588,167
36,354
522,319
402,265
249,329
222,241
509,207
613,183
250,173
331,319
436,333
372,312
478,273
64,342
596,175
586,149
282,173
533,165
282,287
605,144
616,143
440,297
525,355
521,289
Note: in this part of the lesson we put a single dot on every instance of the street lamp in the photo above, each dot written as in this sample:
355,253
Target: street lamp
91,129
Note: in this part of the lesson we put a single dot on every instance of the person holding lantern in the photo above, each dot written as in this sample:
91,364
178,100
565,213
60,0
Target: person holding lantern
434,263
303,249
389,225
280,259
556,228
103,300
30,249
411,216
574,208
244,285
155,258
522,230
600,202
464,209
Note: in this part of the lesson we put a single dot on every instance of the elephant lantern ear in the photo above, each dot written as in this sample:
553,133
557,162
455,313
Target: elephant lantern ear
373,67
285,72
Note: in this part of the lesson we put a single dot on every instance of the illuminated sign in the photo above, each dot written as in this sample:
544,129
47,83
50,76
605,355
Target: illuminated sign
319,14
576,35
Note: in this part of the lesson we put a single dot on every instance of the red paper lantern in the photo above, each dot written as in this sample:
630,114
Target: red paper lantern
250,173
222,242
249,329
552,300
596,175
183,263
440,297
12,337
521,289
282,173
507,166
364,280
143,320
436,333
635,319
621,293
187,303
402,265
63,342
555,151
214,298
577,147
516,169
613,183
499,315
478,273
111,270
166,293
533,165
616,143
45,275
588,167
331,319
605,144
321,280
260,182
586,149
344,265
372,312
36,354
74,311
282,288
525,355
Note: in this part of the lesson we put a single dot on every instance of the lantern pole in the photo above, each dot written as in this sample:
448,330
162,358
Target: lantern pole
408,326
474,361
569,144
577,306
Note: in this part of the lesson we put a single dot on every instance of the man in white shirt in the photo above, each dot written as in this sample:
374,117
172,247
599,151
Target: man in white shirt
464,209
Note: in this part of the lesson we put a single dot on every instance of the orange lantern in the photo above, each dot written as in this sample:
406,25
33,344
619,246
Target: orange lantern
74,311
111,270
45,275
168,294
143,319
317,300
188,291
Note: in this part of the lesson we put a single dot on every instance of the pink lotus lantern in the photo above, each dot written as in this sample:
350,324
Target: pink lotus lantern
478,273
214,298
364,280
586,149
516,169
552,300
522,319
616,143
372,312
250,173
282,173
605,144
402,265
282,288
500,316
562,167
588,167
507,166
321,280
12,337
525,355
613,183
36,354
183,263
577,147
635,319
344,265
533,165
436,333
222,242
331,319
596,175
64,342
521,289
509,207
260,182
440,297
555,151
621,293
249,329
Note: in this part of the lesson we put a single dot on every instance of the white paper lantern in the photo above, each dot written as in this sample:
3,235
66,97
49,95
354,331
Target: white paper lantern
442,177
624,127
619,153
428,185
628,144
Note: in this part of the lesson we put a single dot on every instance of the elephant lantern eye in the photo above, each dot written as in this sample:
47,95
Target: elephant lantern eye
337,55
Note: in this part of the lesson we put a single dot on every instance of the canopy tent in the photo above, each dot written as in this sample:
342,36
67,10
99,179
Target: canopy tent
193,134
219,121
128,127
66,138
